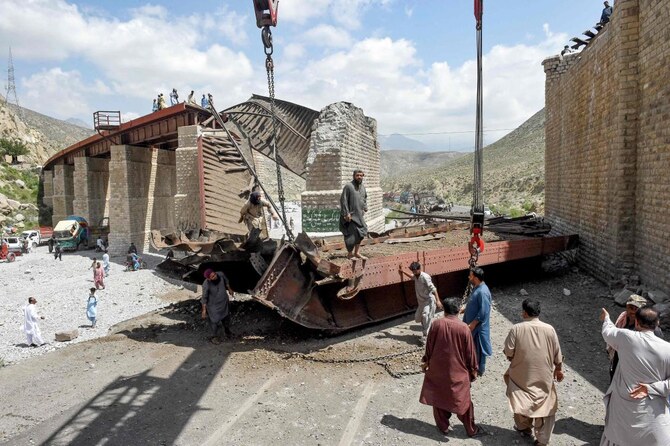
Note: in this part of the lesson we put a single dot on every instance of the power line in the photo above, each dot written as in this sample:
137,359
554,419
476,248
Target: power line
445,133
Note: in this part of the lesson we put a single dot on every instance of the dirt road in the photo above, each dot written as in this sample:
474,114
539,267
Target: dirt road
159,382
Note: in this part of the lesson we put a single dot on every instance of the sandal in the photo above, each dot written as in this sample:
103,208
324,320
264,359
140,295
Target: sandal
479,433
524,432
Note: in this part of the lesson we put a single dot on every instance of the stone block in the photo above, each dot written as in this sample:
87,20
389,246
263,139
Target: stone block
69,335
622,297
657,296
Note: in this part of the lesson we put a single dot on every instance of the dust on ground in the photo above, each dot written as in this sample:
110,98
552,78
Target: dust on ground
156,380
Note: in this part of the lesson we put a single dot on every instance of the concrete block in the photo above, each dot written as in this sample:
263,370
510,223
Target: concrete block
657,296
69,335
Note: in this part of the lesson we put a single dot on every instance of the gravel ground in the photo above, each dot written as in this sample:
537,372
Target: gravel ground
61,289
253,389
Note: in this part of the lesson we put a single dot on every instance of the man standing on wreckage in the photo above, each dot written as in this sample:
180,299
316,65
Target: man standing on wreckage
353,206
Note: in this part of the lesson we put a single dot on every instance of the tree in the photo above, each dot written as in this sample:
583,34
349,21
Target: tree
13,148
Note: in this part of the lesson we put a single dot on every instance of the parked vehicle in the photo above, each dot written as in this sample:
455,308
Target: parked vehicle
33,236
14,244
72,233
5,253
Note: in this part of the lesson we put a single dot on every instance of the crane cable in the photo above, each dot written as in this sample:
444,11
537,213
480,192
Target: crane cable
476,245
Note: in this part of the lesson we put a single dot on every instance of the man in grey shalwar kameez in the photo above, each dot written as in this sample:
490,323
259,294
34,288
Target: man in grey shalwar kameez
215,300
353,206
636,401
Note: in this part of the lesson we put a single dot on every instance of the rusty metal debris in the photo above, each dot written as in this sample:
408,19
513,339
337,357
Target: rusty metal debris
302,284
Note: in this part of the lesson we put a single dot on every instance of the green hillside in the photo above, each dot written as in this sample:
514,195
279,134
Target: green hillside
513,173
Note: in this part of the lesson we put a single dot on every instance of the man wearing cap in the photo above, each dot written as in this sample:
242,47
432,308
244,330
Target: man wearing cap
253,216
215,299
426,297
477,316
353,206
627,320
636,411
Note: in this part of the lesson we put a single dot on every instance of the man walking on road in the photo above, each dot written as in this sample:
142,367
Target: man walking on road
58,252
636,402
535,357
215,304
477,316
426,297
450,365
30,320
353,206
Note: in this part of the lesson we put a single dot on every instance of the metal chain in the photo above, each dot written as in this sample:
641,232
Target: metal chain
269,67
377,360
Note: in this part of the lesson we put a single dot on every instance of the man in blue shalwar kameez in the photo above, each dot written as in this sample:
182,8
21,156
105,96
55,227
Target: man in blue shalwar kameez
477,315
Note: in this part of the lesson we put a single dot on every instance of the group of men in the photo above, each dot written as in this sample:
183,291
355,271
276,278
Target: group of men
159,102
636,400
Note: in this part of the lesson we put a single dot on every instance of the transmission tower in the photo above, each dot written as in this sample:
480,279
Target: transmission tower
11,84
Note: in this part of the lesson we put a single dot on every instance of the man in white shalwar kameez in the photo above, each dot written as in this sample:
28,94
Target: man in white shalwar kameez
636,401
30,327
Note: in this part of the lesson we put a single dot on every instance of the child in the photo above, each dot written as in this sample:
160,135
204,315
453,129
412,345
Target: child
92,308
99,276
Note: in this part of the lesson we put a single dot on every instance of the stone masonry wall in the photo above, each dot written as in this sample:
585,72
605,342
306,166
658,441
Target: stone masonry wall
652,213
91,200
343,139
143,184
187,213
63,192
607,152
47,179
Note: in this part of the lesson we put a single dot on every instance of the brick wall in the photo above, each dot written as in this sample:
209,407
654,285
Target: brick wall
91,177
187,213
607,156
343,139
63,192
142,184
266,169
47,179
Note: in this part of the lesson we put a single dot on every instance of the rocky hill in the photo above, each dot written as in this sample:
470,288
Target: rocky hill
398,162
43,135
513,173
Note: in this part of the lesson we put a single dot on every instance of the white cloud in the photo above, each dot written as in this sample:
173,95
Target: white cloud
147,53
347,13
385,78
328,36
64,93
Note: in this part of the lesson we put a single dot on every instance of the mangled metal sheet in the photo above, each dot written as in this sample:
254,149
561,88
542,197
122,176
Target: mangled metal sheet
363,292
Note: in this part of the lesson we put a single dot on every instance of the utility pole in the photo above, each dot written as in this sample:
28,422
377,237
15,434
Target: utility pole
10,89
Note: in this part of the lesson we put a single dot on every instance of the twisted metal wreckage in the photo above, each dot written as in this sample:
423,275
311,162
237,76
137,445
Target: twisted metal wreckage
295,277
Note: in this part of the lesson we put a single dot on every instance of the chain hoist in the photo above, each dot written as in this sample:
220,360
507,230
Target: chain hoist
266,16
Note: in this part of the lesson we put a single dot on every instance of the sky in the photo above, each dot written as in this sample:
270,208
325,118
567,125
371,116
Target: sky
410,64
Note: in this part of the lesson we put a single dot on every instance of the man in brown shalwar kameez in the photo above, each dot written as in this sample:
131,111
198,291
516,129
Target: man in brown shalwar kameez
535,360
450,364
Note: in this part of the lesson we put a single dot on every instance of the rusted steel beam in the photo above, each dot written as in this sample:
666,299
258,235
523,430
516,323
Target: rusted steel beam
382,271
